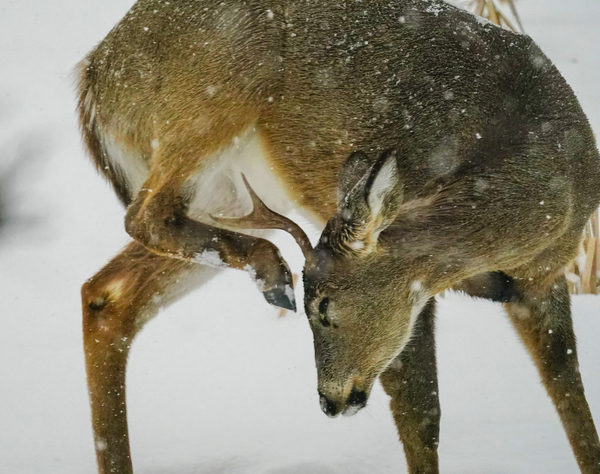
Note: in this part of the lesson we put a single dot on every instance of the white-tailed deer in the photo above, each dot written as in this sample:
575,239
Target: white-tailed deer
471,166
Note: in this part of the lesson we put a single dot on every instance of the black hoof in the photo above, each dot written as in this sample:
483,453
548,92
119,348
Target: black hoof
281,297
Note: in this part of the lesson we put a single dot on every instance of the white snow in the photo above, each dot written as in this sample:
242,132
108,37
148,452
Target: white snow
289,292
435,7
210,258
416,286
251,271
260,284
211,90
484,21
217,383
357,244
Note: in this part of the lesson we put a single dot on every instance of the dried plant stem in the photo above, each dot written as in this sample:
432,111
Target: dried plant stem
488,9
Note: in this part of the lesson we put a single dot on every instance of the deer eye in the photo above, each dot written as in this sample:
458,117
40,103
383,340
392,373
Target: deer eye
323,305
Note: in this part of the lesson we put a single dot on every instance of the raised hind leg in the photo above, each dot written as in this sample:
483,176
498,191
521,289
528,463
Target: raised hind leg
159,219
117,302
411,381
542,317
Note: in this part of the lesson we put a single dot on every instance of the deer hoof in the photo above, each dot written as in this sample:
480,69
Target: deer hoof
281,297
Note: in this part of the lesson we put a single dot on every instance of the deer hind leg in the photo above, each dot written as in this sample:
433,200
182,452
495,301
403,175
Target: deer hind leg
543,321
411,381
159,217
117,302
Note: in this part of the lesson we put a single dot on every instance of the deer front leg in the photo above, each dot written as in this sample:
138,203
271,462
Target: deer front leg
117,301
543,320
411,381
158,220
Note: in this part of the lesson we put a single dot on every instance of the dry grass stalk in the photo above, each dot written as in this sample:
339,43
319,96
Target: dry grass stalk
489,10
588,282
582,274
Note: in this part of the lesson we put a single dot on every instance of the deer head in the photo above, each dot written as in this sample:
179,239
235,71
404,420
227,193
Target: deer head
360,305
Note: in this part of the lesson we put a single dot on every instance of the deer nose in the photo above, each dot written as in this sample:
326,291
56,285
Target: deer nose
356,401
329,407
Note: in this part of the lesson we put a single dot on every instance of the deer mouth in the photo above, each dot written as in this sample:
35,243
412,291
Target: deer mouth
355,402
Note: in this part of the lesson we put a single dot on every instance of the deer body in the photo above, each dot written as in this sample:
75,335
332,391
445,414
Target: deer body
492,176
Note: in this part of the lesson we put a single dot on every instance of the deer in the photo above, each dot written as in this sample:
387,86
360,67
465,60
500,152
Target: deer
435,151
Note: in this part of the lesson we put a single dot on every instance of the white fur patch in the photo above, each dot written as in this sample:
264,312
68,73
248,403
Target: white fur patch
115,289
219,189
420,298
384,182
351,410
130,163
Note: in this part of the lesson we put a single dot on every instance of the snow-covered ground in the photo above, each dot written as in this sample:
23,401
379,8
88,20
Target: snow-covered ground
213,386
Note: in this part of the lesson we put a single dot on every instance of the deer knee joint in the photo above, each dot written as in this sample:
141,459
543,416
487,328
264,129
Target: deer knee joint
136,226
155,225
174,220
93,301
98,298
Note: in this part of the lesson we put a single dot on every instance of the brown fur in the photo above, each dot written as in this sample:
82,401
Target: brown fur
492,175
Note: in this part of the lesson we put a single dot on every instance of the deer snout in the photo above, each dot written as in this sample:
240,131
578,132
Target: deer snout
329,407
348,407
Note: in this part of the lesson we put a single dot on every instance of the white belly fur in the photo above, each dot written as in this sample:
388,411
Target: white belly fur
129,163
218,186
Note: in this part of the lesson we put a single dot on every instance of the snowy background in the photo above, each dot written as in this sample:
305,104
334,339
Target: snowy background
217,383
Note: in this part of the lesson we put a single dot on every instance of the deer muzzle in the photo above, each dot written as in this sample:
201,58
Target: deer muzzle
349,406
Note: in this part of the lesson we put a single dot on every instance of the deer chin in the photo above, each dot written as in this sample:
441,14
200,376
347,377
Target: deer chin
351,410
354,400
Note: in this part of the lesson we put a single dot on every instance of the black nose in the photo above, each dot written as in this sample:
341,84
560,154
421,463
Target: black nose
328,407
357,398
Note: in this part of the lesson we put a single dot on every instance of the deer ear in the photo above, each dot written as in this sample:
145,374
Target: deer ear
383,189
353,171
372,202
